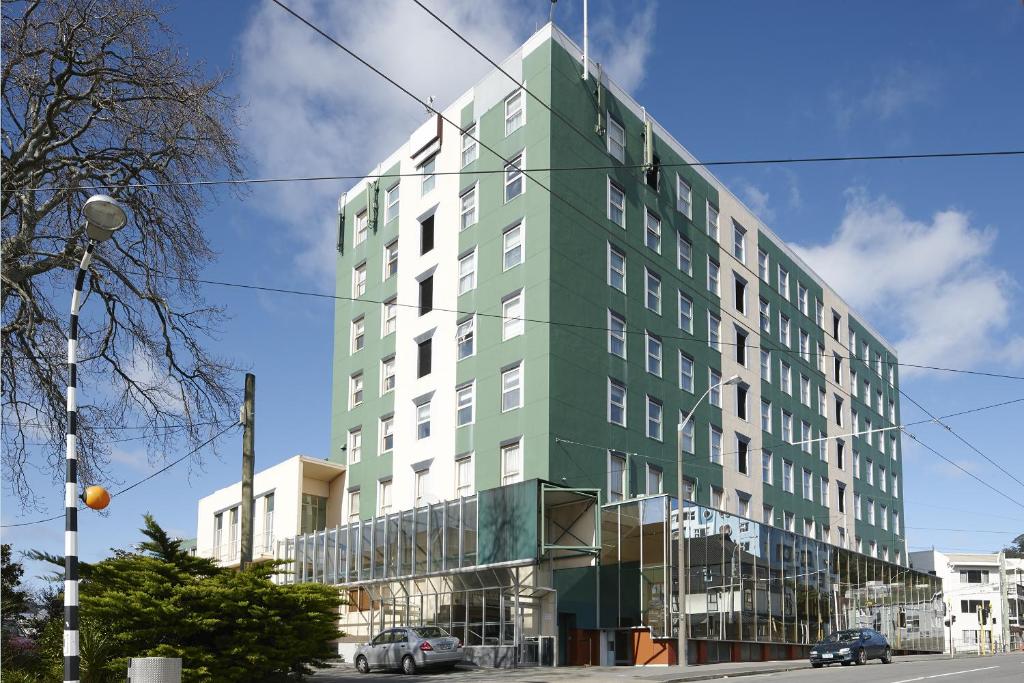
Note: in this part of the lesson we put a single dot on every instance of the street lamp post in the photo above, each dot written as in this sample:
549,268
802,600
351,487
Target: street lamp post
103,217
682,624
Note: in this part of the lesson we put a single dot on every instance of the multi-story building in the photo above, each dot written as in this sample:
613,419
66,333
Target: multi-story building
534,289
984,595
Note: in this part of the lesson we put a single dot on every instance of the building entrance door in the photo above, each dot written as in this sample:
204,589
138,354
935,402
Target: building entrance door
623,648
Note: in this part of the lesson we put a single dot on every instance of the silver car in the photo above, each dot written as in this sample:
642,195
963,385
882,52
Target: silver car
409,649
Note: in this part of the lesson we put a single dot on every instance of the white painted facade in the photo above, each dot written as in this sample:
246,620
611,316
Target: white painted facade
277,495
969,579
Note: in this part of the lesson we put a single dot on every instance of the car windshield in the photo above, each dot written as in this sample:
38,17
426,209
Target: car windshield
843,636
430,632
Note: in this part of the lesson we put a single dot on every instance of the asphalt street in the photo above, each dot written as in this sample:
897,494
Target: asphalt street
903,670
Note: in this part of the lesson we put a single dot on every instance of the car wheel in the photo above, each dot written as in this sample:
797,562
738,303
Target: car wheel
862,656
362,666
887,656
408,665
817,665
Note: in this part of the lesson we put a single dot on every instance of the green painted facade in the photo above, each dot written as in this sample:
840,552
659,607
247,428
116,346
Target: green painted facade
563,422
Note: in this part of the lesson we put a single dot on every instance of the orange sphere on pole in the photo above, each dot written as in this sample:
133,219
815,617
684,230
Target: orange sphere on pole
96,497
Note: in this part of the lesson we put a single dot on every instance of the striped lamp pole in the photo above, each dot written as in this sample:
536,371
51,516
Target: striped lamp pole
104,217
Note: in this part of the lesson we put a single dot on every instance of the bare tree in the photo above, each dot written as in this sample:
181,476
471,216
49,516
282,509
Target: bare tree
96,94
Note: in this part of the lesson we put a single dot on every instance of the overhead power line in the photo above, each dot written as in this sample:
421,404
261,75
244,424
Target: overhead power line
966,531
550,169
140,481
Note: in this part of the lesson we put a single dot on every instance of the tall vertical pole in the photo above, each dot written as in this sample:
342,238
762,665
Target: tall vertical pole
71,654
586,41
248,464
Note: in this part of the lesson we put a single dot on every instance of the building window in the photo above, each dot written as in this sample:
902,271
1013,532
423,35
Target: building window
804,345
784,330
768,515
467,209
762,264
685,372
355,446
840,496
654,354
512,388
787,427
741,347
869,467
839,411
840,454
742,455
387,375
384,497
713,285
616,335
653,298
785,378
427,177
313,514
685,313
819,314
426,287
714,331
467,272
808,490
464,476
652,233
686,434
742,390
801,297
787,476
766,416
355,390
805,436
353,506
391,259
766,365
419,487
616,204
715,441
805,390
856,464
464,338
387,434
469,148
684,197
714,387
767,471
511,463
684,254
742,504
716,498
464,405
765,316
655,480
836,324
654,415
427,234
362,223
423,357
515,112
358,334
616,268
882,479
739,242
616,476
616,403
823,491
359,280
423,420
616,140
514,178
712,221
512,247
871,511
512,324
391,203
784,282
389,318
822,402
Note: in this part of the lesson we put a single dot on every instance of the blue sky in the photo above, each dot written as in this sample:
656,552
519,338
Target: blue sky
928,250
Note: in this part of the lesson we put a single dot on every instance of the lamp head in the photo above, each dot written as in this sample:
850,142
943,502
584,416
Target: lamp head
103,217
732,380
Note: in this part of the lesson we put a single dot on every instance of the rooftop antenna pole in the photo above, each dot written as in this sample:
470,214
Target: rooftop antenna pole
551,12
586,46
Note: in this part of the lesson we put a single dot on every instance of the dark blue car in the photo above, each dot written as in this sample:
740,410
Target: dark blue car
852,646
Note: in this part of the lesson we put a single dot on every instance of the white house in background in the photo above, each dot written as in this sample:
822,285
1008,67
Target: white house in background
300,495
991,581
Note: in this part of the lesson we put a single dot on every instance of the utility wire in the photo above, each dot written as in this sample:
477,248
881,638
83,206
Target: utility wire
984,483
156,427
140,481
964,441
489,171
966,531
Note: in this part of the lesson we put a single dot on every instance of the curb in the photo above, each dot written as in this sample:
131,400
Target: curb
733,674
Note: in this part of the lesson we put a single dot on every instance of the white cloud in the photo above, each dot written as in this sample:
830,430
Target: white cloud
927,282
758,201
890,94
624,60
312,109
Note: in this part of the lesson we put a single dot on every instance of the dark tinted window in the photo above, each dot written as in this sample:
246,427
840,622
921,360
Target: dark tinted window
427,295
427,235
